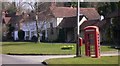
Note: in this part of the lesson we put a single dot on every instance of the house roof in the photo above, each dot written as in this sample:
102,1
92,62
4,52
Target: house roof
71,22
62,12
68,22
100,24
10,18
32,17
6,19
70,19
90,13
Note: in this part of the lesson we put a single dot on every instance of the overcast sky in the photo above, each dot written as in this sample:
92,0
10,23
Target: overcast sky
60,0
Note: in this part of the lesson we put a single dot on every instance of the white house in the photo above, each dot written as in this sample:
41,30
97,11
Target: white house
60,25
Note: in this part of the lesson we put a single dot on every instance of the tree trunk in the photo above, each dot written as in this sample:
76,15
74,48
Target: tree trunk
37,30
39,38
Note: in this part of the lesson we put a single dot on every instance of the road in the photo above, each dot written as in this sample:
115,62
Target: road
18,59
15,59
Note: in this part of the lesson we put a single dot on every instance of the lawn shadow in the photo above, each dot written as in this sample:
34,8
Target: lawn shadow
14,44
112,45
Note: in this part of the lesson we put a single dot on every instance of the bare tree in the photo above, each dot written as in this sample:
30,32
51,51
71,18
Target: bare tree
40,8
44,9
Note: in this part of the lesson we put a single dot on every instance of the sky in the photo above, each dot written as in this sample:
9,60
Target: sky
62,0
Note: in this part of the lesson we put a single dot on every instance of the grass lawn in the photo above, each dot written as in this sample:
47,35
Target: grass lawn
41,48
34,48
84,60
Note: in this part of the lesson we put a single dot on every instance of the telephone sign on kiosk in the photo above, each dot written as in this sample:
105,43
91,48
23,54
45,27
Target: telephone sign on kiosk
92,42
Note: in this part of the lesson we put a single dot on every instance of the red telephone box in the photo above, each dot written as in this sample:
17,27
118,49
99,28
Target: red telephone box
92,42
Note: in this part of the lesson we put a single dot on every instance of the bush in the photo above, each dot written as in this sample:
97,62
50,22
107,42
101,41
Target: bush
9,36
21,34
67,47
34,38
4,38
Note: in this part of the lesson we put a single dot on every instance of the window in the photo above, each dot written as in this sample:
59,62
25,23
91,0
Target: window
32,33
27,35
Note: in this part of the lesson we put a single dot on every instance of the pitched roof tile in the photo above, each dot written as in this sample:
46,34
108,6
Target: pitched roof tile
7,19
91,13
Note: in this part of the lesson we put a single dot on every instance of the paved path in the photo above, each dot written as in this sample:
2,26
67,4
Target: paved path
110,53
16,59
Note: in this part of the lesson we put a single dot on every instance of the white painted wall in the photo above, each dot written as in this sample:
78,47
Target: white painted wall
55,21
31,27
45,28
27,26
59,21
52,20
15,35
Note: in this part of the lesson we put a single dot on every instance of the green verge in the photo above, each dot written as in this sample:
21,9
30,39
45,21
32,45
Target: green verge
35,48
42,48
84,60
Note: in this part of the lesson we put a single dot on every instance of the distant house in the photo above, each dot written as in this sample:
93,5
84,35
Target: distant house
65,24
28,24
60,25
4,27
9,19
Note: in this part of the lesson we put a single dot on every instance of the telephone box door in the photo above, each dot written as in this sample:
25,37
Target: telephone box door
90,44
